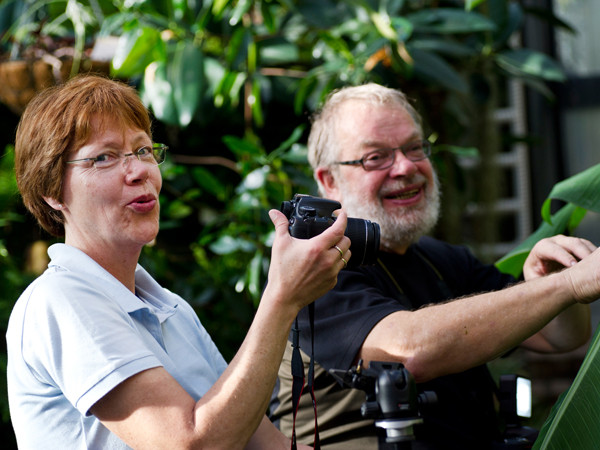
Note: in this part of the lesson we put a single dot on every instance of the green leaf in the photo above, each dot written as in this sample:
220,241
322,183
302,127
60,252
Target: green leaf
229,88
256,104
434,68
254,276
239,10
277,50
525,62
472,4
573,421
187,75
228,244
218,7
383,24
178,209
294,137
443,46
157,93
466,152
512,263
404,28
509,19
254,180
180,9
214,73
582,189
268,17
80,16
241,147
449,21
209,182
306,86
136,49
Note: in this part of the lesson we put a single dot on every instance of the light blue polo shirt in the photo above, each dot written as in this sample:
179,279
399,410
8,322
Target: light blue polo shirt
76,333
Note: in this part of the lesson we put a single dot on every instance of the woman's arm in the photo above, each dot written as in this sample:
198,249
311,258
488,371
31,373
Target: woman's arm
151,410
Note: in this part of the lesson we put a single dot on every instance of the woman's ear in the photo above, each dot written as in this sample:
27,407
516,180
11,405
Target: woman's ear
328,184
53,203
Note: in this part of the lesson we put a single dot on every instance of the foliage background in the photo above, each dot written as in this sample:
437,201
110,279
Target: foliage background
231,85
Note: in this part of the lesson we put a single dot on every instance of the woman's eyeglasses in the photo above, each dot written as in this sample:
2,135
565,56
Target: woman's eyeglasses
151,155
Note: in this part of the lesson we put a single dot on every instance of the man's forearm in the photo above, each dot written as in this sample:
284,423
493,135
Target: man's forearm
463,333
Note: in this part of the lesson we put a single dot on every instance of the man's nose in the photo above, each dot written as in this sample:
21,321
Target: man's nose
402,166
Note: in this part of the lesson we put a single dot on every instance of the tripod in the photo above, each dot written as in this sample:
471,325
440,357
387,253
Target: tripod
392,400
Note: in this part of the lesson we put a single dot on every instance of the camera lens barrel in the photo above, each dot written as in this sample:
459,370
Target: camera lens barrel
364,236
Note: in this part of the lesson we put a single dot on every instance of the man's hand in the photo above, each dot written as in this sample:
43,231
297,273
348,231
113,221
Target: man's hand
555,253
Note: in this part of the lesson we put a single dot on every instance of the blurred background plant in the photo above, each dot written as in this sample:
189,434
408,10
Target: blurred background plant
232,83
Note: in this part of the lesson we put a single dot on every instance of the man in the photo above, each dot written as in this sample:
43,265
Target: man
368,152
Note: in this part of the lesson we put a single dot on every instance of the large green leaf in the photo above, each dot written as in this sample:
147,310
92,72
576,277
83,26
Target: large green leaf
573,421
582,189
136,49
277,50
434,68
449,21
157,92
443,46
187,75
525,62
512,263
581,192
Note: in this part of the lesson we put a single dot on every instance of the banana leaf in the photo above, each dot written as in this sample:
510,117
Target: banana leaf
573,421
563,220
583,189
581,192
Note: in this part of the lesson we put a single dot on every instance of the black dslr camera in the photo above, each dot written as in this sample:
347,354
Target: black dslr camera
310,216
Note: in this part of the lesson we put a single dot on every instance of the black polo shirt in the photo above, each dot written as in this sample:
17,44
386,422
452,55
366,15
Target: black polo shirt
429,272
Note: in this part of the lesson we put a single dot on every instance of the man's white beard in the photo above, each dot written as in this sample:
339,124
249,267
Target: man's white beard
406,225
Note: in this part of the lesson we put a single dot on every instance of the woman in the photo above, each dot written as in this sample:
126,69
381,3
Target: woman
100,355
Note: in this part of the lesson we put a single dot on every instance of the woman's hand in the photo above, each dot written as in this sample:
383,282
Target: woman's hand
305,269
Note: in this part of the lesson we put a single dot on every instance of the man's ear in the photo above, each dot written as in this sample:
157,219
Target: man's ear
53,203
328,183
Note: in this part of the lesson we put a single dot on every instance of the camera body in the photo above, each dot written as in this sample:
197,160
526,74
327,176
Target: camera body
309,216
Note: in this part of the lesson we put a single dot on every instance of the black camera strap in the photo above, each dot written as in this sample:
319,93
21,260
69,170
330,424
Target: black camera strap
298,375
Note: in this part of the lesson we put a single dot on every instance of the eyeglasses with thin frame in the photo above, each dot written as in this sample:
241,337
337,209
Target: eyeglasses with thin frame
151,155
383,158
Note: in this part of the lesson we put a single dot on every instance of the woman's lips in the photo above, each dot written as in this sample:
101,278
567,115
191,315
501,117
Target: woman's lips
143,204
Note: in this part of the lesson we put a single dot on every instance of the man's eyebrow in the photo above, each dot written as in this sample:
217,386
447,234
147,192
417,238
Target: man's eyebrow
378,144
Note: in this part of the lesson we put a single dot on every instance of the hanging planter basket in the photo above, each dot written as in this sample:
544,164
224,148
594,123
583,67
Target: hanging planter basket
20,80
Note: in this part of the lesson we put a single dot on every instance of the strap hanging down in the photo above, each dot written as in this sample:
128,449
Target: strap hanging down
298,376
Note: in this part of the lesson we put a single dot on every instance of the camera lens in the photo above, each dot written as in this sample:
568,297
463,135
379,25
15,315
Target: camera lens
364,236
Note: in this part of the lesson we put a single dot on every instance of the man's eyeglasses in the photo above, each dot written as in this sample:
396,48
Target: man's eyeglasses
384,157
152,155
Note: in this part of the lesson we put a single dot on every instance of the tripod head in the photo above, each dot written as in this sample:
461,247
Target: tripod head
391,399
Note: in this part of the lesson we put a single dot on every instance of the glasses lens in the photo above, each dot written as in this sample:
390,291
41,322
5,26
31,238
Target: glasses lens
416,151
104,161
379,159
159,152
